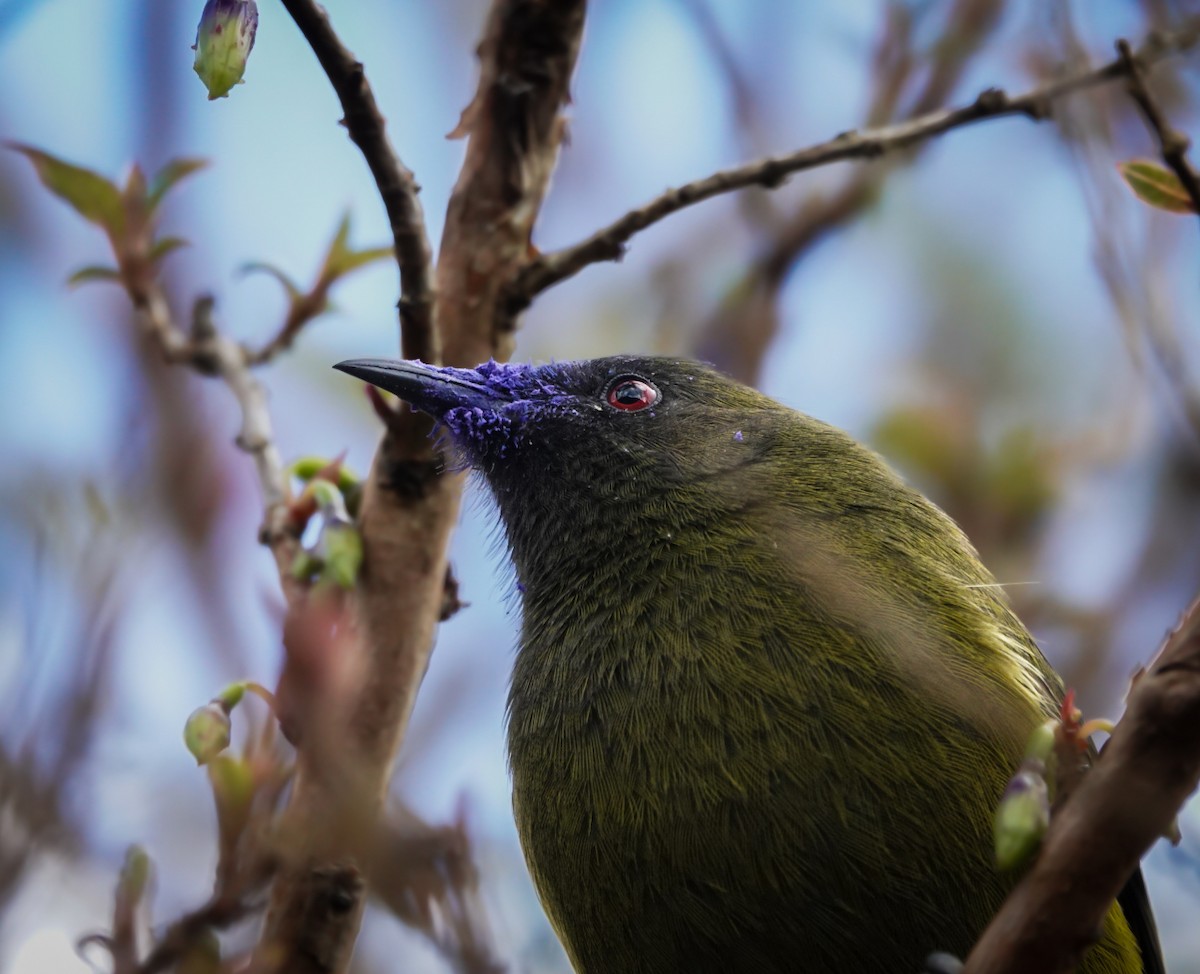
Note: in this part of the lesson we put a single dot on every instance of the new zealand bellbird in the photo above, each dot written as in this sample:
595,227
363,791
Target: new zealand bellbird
766,697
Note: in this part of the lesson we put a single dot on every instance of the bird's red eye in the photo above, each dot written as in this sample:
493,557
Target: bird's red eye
631,393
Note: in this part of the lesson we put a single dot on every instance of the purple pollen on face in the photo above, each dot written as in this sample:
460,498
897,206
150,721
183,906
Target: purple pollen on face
738,436
517,380
522,392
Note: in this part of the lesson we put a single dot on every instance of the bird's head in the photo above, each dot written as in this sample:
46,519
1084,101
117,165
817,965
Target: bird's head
587,424
587,459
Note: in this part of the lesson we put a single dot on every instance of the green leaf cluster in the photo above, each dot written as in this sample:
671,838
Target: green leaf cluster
127,214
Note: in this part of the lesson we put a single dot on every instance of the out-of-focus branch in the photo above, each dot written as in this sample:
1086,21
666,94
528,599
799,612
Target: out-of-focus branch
397,186
609,242
208,352
740,330
1173,144
183,934
1128,800
425,875
741,94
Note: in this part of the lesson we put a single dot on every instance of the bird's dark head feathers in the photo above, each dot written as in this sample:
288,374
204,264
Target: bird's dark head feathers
577,422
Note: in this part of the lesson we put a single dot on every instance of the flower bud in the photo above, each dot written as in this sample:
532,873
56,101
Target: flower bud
1022,817
1041,741
224,39
341,545
135,874
207,731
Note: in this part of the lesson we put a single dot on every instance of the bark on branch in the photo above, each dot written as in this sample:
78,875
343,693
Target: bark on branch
1123,805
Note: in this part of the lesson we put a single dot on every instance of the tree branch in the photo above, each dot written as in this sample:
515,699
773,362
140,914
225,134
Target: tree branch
609,243
740,330
1125,803
514,131
210,353
1173,144
397,186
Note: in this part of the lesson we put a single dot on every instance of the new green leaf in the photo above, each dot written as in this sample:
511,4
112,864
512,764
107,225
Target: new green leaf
91,195
1156,186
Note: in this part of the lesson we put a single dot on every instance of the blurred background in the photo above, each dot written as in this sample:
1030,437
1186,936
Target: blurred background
994,312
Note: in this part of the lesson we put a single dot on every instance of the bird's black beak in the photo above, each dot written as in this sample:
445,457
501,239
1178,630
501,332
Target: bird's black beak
429,388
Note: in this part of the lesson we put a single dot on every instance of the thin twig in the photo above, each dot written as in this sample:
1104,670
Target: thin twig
303,309
397,186
184,933
1173,144
609,242
1128,800
210,353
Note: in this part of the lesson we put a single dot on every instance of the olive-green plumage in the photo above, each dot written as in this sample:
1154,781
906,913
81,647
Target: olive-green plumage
766,697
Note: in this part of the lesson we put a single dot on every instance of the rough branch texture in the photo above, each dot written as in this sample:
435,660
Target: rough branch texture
609,242
1124,804
514,129
397,186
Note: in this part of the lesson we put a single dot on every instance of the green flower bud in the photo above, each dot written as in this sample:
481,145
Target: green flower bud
135,874
1022,817
341,545
206,732
224,39
1041,741
307,468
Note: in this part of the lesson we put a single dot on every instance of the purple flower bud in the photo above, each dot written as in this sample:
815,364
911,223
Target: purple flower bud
224,39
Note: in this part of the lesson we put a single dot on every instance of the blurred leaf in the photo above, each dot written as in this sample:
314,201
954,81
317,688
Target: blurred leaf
169,175
94,272
922,440
263,267
91,195
1156,186
165,246
360,258
1020,476
341,259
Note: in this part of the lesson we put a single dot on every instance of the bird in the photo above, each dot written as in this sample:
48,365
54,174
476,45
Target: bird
766,697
